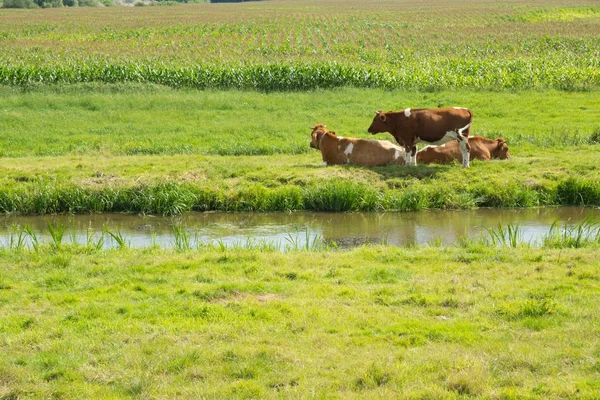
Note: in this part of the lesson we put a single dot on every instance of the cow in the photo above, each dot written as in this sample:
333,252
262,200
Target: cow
480,149
342,150
435,126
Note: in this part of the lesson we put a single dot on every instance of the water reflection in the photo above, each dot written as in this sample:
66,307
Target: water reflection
298,229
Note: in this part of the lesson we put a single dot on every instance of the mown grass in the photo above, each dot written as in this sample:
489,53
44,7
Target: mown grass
375,322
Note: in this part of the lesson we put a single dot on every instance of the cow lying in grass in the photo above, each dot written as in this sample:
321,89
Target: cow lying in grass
341,150
480,148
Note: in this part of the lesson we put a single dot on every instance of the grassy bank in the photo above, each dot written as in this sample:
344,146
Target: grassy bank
374,322
326,194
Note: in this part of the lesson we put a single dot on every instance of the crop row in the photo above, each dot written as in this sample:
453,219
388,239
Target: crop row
442,74
334,195
289,45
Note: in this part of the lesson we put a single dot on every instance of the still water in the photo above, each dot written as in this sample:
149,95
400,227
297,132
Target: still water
285,230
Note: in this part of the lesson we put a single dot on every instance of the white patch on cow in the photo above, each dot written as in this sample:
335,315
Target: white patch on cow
459,108
340,137
324,163
413,159
448,137
349,149
407,158
407,112
397,154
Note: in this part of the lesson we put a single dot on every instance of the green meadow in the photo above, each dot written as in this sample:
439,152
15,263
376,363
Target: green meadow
155,150
375,322
208,107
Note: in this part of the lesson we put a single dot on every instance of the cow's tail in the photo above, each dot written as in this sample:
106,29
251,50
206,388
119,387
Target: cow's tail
464,131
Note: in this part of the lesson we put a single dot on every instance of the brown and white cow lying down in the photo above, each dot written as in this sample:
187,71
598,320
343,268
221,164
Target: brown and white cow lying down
481,148
342,150
431,125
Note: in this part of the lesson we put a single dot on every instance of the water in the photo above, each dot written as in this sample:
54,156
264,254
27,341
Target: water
296,230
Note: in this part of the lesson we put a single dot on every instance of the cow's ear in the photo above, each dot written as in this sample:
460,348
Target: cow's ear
332,132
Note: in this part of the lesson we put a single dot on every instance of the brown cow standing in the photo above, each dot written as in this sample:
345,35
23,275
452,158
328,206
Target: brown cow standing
343,150
435,126
480,149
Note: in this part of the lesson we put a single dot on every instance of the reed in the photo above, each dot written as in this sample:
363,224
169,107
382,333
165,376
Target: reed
302,241
510,235
95,244
17,240
35,243
183,241
57,232
582,234
118,238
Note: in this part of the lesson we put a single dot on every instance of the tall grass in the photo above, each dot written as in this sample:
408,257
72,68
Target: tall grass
183,239
510,235
118,238
581,234
337,195
308,243
57,233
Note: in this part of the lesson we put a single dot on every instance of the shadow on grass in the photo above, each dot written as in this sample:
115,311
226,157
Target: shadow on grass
395,171
419,172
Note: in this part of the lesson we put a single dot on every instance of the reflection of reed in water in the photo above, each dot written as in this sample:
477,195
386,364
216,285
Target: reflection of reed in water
292,229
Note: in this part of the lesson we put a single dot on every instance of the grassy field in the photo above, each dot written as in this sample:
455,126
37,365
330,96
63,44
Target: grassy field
155,150
100,111
96,119
375,322
291,45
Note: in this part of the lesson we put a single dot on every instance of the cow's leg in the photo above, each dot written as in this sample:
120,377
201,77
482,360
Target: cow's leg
463,144
413,156
407,153
464,147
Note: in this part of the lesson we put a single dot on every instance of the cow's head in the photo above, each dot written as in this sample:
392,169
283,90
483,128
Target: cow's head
501,149
380,123
317,133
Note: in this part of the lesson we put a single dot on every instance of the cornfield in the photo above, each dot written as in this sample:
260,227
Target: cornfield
300,45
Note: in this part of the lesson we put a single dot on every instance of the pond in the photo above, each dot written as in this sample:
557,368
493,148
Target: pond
286,231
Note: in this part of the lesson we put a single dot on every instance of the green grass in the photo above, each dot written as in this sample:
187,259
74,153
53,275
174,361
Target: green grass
307,44
297,184
374,322
100,148
147,120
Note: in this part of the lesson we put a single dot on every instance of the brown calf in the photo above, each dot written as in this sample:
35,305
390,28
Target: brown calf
480,149
431,125
342,150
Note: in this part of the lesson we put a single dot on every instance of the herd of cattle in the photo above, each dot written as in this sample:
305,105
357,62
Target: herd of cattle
445,129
